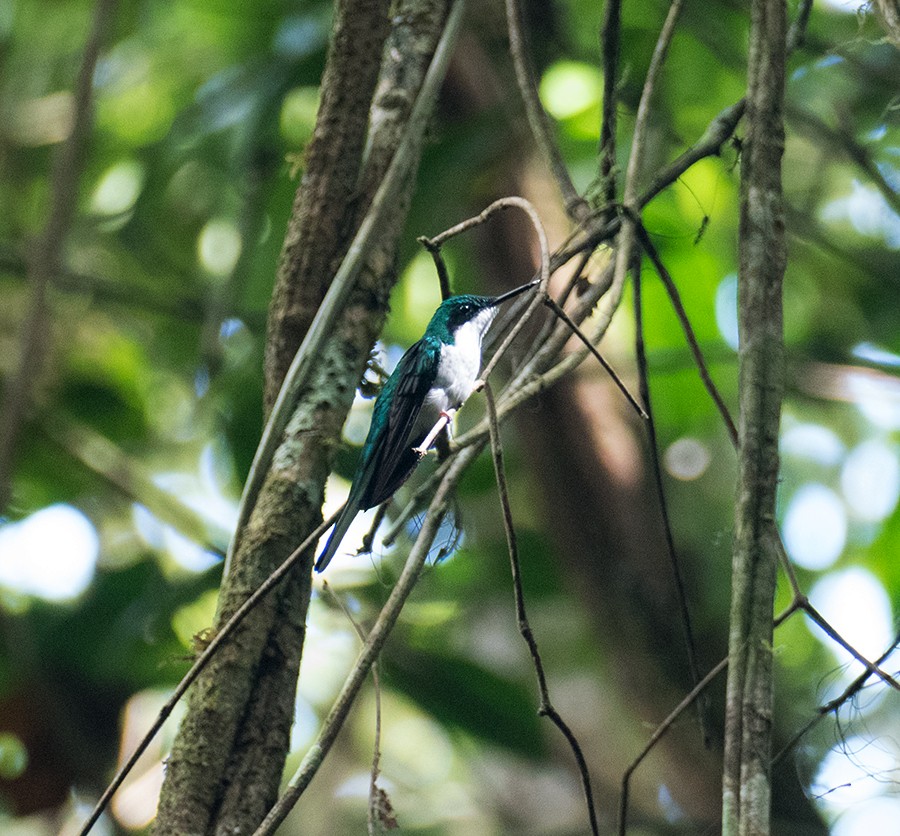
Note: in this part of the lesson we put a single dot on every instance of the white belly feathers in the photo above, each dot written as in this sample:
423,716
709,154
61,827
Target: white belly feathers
457,372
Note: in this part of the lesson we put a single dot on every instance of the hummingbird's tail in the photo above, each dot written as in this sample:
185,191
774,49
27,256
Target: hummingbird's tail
337,534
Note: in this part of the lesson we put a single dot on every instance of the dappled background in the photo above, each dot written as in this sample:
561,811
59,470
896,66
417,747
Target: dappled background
146,411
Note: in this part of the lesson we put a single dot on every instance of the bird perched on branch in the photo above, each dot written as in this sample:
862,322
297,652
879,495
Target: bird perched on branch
431,381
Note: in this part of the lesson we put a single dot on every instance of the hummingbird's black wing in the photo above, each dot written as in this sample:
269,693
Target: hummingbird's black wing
388,457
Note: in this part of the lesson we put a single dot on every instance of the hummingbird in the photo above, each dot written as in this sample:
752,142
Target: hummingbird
432,380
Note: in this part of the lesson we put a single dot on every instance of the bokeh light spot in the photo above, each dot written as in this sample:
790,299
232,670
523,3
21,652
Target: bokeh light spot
686,459
815,527
50,554
726,310
870,480
856,605
298,115
13,756
570,87
813,442
219,246
118,188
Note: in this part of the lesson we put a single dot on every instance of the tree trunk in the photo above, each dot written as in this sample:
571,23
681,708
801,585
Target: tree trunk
226,765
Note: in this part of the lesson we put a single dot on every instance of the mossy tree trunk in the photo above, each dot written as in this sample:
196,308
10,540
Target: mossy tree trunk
226,765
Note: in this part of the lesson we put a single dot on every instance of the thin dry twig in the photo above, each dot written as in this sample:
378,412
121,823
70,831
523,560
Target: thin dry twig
551,303
546,708
374,792
439,265
681,592
658,734
610,41
575,205
625,252
833,705
686,327
822,623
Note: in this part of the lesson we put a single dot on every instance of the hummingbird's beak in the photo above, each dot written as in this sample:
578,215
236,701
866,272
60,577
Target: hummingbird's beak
514,292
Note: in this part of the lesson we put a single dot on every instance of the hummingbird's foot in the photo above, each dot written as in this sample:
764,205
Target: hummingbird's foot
479,385
444,420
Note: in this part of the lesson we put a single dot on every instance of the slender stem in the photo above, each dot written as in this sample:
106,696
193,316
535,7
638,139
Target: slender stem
680,589
372,813
610,41
833,705
551,303
686,327
657,735
746,783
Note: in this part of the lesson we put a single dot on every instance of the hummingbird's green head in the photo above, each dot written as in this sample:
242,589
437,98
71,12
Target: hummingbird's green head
474,312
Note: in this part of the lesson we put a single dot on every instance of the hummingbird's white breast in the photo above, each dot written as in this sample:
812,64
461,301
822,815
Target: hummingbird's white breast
457,371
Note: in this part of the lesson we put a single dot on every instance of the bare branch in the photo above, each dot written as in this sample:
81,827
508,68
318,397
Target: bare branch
675,297
625,254
746,790
658,734
610,41
551,303
680,590
374,793
871,669
833,705
439,265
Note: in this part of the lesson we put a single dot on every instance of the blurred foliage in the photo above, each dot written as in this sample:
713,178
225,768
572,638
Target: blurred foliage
156,338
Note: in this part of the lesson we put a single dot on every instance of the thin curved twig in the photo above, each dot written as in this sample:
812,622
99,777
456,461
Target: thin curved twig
833,705
546,708
372,813
658,734
686,327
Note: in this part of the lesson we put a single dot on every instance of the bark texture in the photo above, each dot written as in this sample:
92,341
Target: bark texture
226,765
748,721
